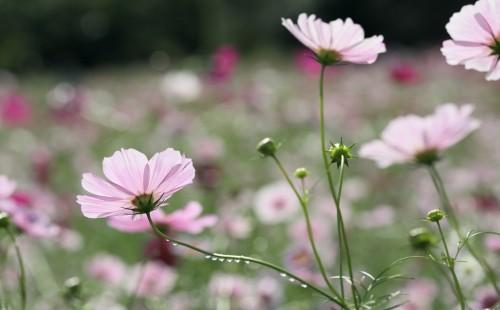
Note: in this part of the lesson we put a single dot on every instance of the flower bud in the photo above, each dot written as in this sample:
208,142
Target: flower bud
301,173
72,288
4,220
435,215
338,151
422,239
267,147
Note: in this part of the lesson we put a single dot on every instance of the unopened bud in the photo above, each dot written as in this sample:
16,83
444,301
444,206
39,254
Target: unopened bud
435,215
267,147
422,239
301,173
4,220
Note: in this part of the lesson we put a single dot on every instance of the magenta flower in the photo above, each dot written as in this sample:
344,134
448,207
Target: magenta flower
475,38
224,62
187,219
15,110
135,185
337,41
419,139
404,74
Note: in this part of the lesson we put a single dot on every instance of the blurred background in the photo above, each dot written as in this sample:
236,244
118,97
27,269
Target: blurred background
82,33
81,79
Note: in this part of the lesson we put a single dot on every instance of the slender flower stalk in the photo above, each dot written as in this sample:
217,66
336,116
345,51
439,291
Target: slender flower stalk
247,260
303,204
343,243
22,272
445,201
450,263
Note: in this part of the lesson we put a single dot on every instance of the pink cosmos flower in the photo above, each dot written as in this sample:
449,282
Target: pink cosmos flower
492,243
404,74
224,62
275,203
419,139
337,41
7,187
187,219
475,38
152,279
15,110
106,268
135,185
420,294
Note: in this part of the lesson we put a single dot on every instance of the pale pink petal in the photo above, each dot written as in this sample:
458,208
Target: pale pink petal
100,187
494,73
126,169
93,207
299,34
490,12
179,176
365,52
7,187
345,34
382,154
460,53
160,165
187,219
464,26
405,134
135,223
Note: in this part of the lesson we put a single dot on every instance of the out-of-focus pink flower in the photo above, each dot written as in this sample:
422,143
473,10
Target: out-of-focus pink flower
228,286
106,268
306,63
135,185
378,217
208,174
66,102
224,62
404,74
475,38
187,219
15,109
207,149
338,41
421,139
153,279
420,294
486,202
7,187
41,161
235,226
33,222
298,230
486,298
158,249
69,239
275,203
492,243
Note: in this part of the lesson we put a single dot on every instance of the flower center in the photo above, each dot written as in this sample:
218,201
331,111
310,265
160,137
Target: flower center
495,47
328,57
144,203
427,157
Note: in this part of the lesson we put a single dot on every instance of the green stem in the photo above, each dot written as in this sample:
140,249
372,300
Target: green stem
445,201
22,272
343,242
303,204
246,259
450,263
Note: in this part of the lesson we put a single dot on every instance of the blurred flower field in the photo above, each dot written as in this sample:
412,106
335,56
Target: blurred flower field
55,127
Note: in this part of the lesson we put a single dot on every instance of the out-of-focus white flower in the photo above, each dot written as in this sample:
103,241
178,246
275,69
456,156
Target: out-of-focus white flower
275,203
181,86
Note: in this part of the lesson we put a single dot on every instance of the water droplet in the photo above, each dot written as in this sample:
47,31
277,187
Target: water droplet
236,261
304,285
283,275
174,244
230,260
247,262
208,256
221,259
291,280
214,258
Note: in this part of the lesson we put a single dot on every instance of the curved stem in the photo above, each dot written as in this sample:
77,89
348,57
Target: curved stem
343,243
310,235
445,201
22,272
450,263
247,260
